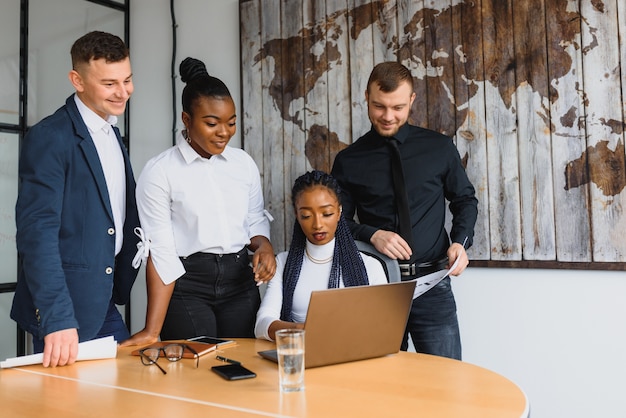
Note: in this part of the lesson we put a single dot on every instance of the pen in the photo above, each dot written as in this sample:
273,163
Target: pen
227,360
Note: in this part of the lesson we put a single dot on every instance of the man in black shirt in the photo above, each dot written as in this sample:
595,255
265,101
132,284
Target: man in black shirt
433,173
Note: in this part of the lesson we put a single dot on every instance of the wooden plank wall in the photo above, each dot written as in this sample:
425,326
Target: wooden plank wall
532,91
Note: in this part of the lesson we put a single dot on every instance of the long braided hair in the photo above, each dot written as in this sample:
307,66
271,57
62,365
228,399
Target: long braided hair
347,263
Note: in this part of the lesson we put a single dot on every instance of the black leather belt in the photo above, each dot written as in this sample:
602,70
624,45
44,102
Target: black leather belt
213,256
422,269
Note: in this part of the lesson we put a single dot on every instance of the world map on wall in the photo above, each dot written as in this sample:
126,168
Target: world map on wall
324,55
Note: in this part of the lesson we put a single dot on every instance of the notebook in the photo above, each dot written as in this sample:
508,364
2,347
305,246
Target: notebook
354,323
220,342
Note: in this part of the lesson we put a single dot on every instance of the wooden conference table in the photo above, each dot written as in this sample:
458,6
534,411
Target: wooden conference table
398,385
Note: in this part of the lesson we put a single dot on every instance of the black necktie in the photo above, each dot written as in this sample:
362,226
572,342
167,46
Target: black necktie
399,190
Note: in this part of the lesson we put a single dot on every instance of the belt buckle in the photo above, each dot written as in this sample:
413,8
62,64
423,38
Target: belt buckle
408,269
414,269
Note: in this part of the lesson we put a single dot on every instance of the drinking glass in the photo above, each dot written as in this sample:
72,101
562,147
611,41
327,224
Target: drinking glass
290,349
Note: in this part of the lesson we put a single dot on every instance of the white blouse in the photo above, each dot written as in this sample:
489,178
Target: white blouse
189,204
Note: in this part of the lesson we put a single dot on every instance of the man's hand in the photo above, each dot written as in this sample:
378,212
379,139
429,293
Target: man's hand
60,348
391,244
455,251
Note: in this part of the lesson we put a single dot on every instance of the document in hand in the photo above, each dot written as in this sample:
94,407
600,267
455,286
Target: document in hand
425,283
100,348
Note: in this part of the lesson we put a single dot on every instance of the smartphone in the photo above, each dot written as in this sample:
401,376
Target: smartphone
211,340
233,372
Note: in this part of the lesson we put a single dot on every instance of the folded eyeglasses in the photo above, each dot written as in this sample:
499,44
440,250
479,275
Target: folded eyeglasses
172,352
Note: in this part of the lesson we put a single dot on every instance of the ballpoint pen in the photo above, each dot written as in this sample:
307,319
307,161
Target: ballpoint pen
227,360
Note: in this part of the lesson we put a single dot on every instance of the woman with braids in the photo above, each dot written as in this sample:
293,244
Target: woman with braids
201,207
322,255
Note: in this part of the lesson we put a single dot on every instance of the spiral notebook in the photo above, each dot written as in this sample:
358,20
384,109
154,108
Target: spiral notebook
354,323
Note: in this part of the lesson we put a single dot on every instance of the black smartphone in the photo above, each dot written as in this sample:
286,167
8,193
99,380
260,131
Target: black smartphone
211,340
233,372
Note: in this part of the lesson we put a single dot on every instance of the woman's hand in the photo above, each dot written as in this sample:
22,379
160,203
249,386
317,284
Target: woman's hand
263,260
143,337
278,325
159,295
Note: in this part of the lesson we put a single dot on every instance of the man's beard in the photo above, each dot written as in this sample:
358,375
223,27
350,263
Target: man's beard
388,133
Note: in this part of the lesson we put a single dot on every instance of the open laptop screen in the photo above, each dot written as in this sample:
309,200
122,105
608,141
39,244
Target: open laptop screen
355,323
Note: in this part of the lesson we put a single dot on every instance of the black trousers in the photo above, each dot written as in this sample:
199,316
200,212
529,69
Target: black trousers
217,297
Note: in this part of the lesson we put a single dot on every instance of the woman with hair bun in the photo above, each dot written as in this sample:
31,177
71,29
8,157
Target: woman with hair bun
322,255
201,207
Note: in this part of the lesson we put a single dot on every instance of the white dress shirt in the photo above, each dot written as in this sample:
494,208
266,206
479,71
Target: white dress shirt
189,204
313,276
112,162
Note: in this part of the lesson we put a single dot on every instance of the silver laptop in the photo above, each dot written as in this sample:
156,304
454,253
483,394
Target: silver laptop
354,323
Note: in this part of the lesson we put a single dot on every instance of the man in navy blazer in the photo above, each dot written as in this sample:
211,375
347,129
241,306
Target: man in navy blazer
76,211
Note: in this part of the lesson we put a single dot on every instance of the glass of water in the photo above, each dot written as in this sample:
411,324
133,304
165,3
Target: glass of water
290,349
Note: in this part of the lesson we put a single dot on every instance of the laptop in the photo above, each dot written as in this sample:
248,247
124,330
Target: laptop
354,323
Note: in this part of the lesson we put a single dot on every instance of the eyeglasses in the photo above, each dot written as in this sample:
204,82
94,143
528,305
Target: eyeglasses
172,352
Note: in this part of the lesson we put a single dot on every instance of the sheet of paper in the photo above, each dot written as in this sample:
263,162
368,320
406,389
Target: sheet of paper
100,348
425,283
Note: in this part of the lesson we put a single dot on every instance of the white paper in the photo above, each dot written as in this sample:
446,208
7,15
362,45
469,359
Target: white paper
100,348
425,283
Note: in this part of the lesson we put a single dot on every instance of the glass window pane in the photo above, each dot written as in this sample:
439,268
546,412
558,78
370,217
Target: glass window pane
53,28
9,150
8,328
10,62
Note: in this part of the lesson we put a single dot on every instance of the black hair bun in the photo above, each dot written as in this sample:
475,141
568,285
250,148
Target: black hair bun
191,68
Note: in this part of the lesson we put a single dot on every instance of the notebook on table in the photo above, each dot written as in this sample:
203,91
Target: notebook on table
354,323
220,342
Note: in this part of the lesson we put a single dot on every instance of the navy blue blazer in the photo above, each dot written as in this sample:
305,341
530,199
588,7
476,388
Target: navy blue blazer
67,268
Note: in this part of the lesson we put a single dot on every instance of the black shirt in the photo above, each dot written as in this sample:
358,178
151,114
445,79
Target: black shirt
433,173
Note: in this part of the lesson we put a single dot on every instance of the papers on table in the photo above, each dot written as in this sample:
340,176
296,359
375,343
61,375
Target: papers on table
425,283
100,348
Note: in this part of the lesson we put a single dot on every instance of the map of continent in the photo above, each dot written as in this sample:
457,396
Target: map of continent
324,55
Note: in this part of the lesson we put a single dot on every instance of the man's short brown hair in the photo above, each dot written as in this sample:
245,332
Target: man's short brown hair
389,75
96,45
